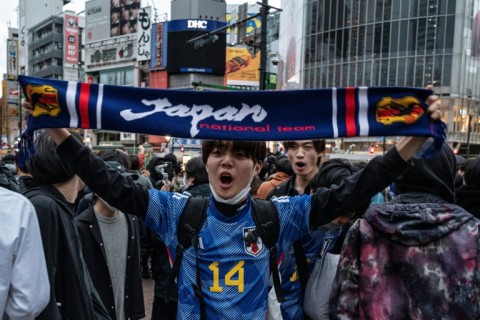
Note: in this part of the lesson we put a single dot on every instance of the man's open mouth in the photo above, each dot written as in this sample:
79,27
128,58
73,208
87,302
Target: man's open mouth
300,164
226,178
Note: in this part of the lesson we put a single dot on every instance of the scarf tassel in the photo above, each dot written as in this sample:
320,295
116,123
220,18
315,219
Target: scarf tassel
26,148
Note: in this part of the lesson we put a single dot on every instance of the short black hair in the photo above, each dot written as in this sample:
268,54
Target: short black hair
134,162
332,172
23,167
115,155
195,168
282,164
9,158
318,144
45,166
255,150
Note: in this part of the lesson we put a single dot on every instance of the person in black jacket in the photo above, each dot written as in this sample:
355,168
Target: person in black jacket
111,248
72,294
196,177
468,195
7,180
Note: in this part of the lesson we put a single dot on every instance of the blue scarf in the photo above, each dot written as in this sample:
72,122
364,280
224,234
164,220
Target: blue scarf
231,115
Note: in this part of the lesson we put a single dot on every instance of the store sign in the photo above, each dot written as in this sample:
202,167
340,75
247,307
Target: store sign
197,24
12,59
110,55
144,33
71,46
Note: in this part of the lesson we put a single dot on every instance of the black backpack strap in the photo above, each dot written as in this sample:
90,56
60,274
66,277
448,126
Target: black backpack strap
302,264
268,228
190,222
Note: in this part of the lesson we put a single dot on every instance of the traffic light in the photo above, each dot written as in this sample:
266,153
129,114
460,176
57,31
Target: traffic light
371,150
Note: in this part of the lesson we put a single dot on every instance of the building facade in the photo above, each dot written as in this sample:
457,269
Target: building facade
390,43
55,48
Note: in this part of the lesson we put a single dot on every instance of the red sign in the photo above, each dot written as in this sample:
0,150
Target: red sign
71,46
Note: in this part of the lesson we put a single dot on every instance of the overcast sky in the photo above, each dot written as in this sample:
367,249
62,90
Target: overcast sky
8,18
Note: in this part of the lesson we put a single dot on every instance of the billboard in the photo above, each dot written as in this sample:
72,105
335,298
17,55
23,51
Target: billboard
12,59
242,68
70,34
183,57
110,18
157,46
110,54
22,46
144,34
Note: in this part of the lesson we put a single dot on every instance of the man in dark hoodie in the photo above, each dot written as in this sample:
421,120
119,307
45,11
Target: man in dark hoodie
416,257
468,195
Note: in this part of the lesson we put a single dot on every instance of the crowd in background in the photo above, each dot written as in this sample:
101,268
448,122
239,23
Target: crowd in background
413,245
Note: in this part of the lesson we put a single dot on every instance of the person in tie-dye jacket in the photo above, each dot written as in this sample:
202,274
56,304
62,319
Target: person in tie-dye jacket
417,257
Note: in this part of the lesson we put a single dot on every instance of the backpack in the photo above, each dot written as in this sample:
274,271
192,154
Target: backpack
191,221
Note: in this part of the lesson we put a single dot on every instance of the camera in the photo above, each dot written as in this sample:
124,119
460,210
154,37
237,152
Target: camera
162,169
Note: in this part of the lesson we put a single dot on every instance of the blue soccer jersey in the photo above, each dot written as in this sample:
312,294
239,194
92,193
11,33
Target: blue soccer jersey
234,275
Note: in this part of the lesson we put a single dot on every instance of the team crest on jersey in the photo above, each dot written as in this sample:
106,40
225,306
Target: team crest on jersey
406,110
253,249
44,100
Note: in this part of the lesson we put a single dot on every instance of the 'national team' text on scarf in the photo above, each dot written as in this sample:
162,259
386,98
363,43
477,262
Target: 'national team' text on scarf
235,115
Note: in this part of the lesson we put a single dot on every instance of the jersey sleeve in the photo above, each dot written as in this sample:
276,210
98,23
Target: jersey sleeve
164,210
294,216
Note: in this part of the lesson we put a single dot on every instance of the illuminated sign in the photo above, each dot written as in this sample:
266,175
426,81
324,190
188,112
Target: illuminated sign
197,24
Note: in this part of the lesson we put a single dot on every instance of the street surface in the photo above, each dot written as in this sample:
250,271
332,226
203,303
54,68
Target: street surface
148,287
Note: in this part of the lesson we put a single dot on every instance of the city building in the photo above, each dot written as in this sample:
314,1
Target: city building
54,47
10,117
388,43
30,13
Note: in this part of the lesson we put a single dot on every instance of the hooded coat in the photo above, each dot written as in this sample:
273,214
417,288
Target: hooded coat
468,196
417,257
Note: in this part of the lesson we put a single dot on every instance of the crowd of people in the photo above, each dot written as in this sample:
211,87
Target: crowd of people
89,227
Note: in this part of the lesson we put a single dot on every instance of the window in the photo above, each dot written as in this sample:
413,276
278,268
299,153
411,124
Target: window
120,77
394,36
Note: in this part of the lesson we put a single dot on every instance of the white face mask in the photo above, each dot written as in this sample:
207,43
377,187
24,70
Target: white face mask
239,197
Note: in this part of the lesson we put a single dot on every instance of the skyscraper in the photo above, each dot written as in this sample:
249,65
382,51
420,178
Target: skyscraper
391,43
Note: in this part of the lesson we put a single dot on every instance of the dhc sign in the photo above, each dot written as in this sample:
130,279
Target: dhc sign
197,24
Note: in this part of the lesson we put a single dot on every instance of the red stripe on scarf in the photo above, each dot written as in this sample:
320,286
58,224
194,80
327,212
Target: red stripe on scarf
83,105
350,111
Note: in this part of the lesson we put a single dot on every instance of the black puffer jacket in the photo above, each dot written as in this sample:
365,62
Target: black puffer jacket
72,295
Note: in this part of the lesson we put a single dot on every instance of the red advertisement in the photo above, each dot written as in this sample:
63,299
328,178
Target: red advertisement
71,41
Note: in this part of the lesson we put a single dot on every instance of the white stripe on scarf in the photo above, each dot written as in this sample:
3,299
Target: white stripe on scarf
72,110
363,111
334,113
99,106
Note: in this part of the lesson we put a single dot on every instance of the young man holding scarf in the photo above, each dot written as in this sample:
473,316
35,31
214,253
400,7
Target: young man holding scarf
234,280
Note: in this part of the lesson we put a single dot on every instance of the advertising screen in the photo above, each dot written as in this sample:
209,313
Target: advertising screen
183,57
